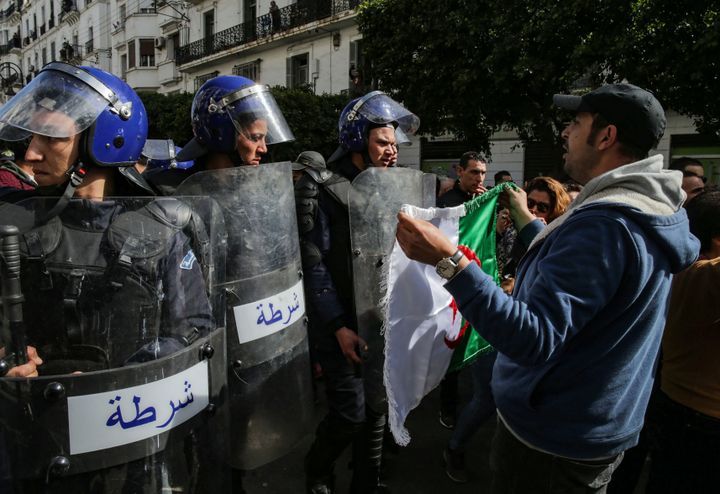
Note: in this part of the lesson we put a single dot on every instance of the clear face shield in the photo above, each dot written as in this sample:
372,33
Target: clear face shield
380,109
162,153
256,103
55,104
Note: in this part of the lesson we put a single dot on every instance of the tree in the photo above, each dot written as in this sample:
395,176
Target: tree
168,116
312,118
476,66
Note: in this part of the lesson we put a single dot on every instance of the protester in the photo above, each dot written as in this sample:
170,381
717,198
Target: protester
502,176
15,173
577,341
684,416
471,171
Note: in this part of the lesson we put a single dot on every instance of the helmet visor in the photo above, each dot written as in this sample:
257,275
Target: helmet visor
257,103
382,109
159,149
54,104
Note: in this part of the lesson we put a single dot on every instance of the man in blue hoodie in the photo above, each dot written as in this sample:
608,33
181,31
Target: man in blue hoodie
579,337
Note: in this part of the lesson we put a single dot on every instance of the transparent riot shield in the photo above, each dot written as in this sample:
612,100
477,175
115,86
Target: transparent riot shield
269,377
132,392
375,199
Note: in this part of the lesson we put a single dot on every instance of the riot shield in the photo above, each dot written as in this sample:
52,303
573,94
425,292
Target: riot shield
269,378
375,199
132,392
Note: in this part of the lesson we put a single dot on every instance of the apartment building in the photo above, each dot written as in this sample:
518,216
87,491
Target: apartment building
173,46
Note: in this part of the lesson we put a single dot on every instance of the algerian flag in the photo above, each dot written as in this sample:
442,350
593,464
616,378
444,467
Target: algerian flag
424,332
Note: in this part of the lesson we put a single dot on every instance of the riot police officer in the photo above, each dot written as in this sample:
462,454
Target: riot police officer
115,300
233,122
270,388
370,129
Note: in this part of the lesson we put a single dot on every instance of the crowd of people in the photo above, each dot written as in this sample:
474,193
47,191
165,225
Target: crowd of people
133,256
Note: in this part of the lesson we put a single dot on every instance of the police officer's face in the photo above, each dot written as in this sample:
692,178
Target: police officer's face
51,157
250,143
382,147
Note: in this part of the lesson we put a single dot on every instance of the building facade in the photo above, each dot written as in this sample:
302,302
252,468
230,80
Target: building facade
172,46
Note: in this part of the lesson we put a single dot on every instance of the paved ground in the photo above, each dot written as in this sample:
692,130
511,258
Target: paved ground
417,468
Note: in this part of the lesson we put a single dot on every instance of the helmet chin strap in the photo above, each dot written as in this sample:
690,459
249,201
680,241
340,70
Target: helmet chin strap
77,174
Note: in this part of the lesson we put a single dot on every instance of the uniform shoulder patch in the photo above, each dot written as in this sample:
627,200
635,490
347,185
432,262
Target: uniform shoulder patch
188,260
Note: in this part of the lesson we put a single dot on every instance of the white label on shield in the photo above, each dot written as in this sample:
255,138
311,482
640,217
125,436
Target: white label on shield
269,315
123,416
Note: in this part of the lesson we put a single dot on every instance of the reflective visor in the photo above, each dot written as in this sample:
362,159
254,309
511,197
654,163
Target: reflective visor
54,104
159,149
380,109
257,103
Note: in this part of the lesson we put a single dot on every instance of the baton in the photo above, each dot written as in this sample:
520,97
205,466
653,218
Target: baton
12,297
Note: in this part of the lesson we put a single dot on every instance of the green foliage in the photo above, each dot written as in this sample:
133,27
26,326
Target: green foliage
312,118
476,66
168,116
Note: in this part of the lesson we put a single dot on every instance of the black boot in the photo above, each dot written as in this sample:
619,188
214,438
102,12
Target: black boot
367,456
333,435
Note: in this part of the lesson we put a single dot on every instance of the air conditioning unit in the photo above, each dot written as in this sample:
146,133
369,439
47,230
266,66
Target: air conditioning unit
160,42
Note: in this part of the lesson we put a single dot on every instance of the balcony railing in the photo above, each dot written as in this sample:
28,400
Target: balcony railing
33,35
5,49
42,29
51,23
294,15
70,53
8,12
88,46
68,7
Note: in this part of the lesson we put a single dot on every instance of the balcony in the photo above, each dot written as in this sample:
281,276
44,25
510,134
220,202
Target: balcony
5,14
69,12
70,53
298,14
89,47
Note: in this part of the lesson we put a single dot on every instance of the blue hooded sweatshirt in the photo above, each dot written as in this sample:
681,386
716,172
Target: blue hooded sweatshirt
579,337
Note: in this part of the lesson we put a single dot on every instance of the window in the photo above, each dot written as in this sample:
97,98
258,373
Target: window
202,79
44,56
122,14
209,23
131,54
297,70
249,11
174,45
52,51
147,52
359,76
89,44
251,70
123,66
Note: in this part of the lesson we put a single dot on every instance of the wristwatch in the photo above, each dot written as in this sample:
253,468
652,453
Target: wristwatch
447,267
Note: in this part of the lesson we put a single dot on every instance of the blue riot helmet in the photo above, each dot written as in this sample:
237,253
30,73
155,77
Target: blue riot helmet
64,100
373,110
223,107
162,154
